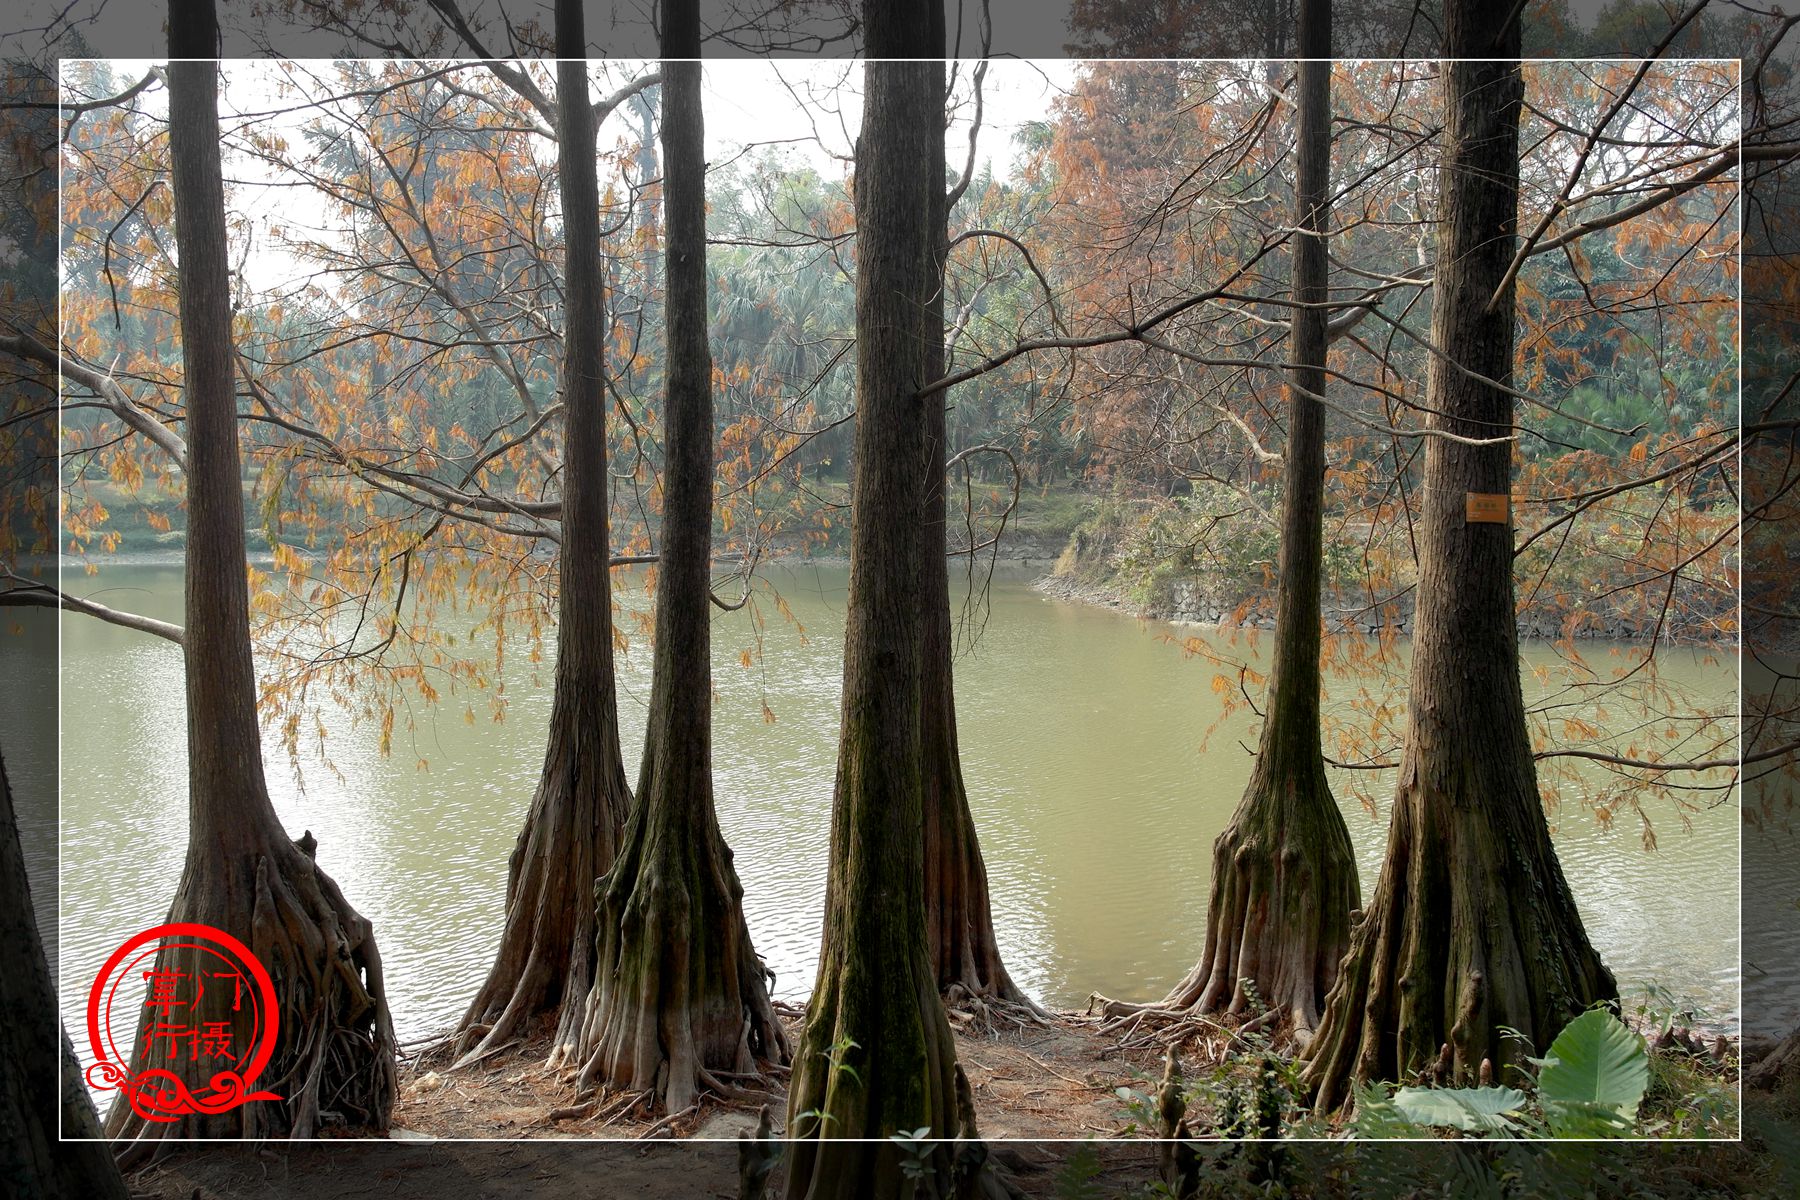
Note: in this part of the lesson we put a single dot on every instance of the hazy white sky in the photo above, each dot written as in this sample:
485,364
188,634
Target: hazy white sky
1020,28
809,109
750,101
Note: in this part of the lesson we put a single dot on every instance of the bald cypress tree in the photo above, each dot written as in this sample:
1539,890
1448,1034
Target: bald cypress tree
1284,873
679,992
876,1056
545,962
1472,929
243,874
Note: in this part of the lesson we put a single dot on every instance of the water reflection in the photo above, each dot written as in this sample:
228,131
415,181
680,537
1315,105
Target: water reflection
1081,734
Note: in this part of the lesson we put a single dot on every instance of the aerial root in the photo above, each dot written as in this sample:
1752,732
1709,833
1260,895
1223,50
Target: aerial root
620,1107
417,1050
481,1040
336,1067
624,1104
602,1108
1114,1013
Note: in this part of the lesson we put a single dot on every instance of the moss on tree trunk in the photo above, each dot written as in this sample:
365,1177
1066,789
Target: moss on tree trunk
335,1045
1472,929
679,992
681,998
545,962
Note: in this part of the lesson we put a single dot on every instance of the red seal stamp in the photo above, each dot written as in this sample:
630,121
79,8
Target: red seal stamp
210,1011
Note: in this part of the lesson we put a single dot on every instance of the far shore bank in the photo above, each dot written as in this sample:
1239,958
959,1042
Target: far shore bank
1187,603
1360,615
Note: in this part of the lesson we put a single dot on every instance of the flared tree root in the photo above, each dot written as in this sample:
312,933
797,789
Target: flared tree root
545,962
333,1061
1470,958
1284,890
849,1094
1284,885
680,1000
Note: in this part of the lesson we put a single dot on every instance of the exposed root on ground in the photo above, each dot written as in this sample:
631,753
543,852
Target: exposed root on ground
1151,1026
1054,1077
974,1013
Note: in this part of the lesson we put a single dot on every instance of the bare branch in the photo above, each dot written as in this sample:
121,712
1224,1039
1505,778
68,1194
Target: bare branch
114,396
32,594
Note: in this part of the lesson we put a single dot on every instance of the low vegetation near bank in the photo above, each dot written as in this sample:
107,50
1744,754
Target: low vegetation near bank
1209,555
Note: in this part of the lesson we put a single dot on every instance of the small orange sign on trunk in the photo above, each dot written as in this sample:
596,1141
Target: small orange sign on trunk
1486,507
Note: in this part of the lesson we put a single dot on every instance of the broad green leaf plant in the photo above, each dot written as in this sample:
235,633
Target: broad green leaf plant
1589,1084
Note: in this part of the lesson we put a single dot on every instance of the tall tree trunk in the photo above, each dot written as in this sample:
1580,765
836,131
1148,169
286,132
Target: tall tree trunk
876,1056
679,992
647,169
1284,873
958,911
1472,929
545,963
42,1098
243,875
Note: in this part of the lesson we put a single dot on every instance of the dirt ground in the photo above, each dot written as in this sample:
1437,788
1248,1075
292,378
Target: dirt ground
505,1127
565,1170
1051,1078
1034,1080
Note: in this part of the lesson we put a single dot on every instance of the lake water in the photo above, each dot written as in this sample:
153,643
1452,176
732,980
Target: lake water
1082,735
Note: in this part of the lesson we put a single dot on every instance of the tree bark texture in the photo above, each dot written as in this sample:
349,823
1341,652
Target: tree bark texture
876,1056
545,963
679,992
1284,872
334,1052
1472,928
959,911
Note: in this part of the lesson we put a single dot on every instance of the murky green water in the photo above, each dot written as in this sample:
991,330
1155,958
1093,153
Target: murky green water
1081,732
